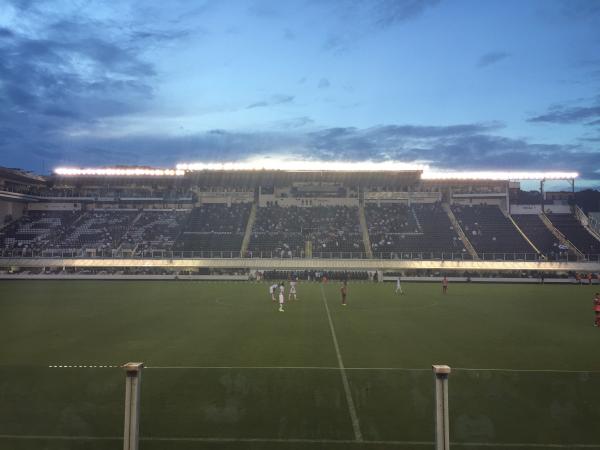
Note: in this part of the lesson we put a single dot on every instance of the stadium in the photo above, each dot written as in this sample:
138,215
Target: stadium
299,225
172,268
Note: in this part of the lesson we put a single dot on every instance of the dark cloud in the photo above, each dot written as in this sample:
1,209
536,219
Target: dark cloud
391,12
323,83
490,58
570,114
5,33
296,122
460,147
360,19
68,72
289,35
272,101
588,10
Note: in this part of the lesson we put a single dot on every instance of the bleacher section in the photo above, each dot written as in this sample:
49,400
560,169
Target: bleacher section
572,229
492,234
540,235
96,230
215,228
418,231
333,232
37,230
422,231
154,230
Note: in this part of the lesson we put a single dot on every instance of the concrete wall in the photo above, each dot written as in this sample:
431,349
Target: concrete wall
55,206
13,209
525,209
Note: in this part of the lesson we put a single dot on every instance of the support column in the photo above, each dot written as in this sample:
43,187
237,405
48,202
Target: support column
442,424
133,382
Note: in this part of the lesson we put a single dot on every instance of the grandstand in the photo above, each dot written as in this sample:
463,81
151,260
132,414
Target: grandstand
394,215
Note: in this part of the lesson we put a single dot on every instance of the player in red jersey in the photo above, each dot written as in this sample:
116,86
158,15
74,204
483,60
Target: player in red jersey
445,285
344,292
597,310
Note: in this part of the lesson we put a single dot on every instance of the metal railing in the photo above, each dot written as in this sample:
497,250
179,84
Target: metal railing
229,254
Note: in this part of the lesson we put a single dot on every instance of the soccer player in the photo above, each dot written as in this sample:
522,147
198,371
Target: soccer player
597,310
445,285
344,292
292,290
398,287
281,299
272,291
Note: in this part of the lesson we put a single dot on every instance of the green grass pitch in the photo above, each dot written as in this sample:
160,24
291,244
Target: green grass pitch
226,370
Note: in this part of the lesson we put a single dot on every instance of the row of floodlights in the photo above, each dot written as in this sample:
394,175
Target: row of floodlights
369,166
119,172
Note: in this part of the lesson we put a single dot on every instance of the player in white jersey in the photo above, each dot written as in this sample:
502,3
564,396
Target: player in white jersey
281,300
398,287
292,290
272,291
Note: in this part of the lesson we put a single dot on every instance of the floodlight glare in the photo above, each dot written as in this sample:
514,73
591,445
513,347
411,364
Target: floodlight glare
498,176
71,171
309,166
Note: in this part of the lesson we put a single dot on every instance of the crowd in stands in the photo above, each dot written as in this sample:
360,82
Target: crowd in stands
417,231
391,219
215,228
490,232
284,231
37,230
97,230
154,230
436,237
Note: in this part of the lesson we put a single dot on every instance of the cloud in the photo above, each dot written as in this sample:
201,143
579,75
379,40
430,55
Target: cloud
392,12
323,83
487,59
289,35
61,71
272,101
296,122
475,146
562,114
357,20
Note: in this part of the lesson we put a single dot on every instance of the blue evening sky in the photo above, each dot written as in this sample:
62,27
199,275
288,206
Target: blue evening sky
466,85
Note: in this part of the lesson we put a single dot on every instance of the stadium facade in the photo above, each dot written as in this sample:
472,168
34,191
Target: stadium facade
387,220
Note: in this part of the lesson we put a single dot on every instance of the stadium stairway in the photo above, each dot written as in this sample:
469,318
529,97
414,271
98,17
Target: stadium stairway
134,221
365,231
585,222
561,237
248,232
460,232
509,217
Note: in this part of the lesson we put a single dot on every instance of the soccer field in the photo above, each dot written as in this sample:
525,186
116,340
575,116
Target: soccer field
226,370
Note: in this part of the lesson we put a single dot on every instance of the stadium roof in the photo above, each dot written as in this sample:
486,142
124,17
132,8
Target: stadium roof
275,171
19,175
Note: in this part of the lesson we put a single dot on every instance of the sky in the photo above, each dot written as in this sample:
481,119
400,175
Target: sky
455,84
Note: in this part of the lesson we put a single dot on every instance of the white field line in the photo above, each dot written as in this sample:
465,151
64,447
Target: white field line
353,416
400,369
292,440
82,366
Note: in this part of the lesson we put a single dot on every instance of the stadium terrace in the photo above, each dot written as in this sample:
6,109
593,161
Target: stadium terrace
255,217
